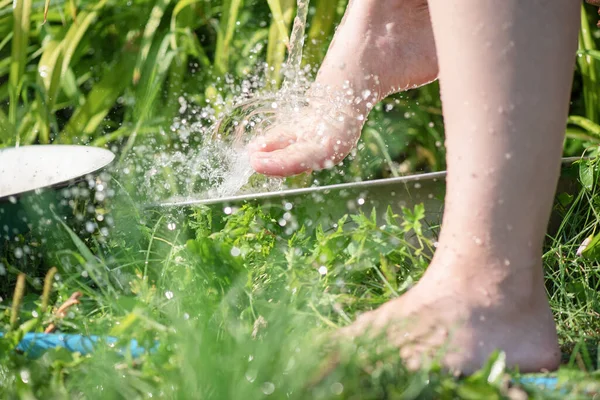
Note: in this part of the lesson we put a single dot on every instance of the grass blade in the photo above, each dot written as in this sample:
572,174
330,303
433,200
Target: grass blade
321,28
276,46
587,65
21,27
151,27
48,288
178,8
231,9
6,129
6,39
180,25
50,69
590,126
99,101
153,76
17,299
46,7
76,33
592,53
280,21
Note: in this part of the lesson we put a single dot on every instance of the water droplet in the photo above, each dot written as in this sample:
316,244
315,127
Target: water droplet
337,388
360,201
90,227
323,270
18,252
268,388
228,210
251,375
169,294
43,70
506,262
508,156
477,240
24,374
235,252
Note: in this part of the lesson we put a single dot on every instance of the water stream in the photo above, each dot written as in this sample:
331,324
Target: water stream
253,117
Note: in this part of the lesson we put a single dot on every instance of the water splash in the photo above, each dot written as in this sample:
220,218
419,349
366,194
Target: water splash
294,62
212,161
252,117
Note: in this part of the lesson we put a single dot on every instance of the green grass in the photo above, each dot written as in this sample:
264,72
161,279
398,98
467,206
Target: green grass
236,302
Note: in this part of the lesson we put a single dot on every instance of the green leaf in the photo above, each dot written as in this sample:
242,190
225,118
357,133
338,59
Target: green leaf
592,250
564,199
586,175
148,37
18,58
227,24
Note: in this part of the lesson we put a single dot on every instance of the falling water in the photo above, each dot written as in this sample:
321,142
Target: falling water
294,61
252,118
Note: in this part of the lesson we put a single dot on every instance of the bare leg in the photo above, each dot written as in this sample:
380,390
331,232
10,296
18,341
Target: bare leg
381,47
505,73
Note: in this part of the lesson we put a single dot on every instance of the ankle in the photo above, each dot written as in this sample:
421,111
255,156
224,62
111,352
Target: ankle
501,280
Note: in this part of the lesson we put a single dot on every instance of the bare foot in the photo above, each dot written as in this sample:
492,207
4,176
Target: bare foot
381,47
465,320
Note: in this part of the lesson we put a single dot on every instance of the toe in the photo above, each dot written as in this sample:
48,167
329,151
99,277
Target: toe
275,139
291,160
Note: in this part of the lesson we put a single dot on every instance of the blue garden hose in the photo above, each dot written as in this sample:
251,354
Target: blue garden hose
33,345
542,382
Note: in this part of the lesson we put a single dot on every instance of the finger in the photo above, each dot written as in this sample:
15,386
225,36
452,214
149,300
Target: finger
594,2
